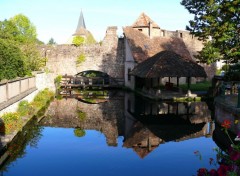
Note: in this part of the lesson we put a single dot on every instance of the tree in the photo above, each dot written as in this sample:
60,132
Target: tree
8,30
11,61
27,41
220,20
51,42
27,31
78,40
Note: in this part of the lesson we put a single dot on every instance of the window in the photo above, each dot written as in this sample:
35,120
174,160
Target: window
129,76
140,29
181,35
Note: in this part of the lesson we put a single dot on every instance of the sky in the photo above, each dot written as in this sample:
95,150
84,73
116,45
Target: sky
58,19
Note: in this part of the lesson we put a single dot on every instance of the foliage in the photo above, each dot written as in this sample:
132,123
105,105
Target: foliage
11,122
33,60
229,161
208,54
81,58
14,122
23,108
90,39
233,74
78,40
21,33
52,42
12,63
42,98
57,81
201,86
27,31
8,30
78,132
225,67
220,20
81,114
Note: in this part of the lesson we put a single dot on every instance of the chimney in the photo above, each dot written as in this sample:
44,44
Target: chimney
150,30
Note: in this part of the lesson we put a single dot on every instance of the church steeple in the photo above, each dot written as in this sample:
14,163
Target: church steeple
81,22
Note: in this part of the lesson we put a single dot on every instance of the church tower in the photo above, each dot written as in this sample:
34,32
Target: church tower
82,31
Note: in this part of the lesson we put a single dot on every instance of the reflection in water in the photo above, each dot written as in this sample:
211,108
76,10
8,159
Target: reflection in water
143,125
149,124
30,135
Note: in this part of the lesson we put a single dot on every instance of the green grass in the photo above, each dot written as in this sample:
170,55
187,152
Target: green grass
202,86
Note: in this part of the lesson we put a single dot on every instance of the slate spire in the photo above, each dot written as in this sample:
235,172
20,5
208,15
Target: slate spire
81,22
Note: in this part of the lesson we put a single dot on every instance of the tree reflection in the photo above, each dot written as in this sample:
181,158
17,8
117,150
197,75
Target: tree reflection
30,135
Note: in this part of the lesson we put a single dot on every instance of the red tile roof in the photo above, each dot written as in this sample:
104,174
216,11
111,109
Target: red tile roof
142,47
143,21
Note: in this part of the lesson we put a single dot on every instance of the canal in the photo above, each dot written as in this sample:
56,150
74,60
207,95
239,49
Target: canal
117,134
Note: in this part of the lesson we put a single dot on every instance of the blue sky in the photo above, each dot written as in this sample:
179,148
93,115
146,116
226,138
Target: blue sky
59,18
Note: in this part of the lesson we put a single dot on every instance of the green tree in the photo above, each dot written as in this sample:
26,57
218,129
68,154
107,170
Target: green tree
51,42
12,63
27,41
220,20
8,30
78,40
27,31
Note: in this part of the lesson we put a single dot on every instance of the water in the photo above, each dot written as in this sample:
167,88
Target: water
123,136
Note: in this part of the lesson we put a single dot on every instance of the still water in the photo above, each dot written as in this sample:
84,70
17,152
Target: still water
122,135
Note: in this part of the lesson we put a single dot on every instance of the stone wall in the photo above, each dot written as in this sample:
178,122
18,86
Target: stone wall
194,45
107,57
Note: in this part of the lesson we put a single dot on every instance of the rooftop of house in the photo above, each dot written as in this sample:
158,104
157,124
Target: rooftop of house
168,64
144,21
143,47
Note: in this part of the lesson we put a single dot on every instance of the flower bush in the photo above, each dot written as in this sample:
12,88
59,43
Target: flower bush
228,162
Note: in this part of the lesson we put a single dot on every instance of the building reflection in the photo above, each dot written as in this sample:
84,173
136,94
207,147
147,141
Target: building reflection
149,124
143,124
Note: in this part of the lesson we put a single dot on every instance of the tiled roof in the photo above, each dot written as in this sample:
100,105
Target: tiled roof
143,21
81,32
142,47
168,64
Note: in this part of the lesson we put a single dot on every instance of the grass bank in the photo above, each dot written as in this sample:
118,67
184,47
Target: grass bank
13,122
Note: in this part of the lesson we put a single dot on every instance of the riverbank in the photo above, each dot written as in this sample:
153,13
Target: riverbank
13,122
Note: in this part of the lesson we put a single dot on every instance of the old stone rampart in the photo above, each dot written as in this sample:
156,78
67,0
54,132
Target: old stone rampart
107,57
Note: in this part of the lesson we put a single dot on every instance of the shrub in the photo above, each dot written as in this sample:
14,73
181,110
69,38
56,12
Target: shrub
78,132
78,40
23,108
11,122
81,58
